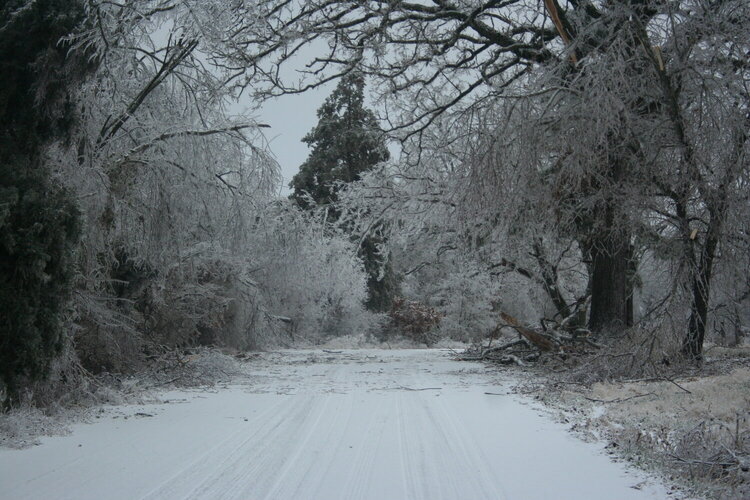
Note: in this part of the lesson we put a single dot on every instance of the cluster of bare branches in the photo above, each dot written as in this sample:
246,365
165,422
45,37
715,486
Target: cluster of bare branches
604,134
184,242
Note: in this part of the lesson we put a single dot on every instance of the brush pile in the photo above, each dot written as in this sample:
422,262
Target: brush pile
532,344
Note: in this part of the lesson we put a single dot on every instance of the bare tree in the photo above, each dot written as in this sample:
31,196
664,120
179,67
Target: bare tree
434,57
637,112
703,80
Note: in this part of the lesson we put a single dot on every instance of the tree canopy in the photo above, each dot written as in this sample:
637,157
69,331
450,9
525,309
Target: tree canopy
346,142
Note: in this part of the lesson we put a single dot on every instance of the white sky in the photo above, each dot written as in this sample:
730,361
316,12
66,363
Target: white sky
291,117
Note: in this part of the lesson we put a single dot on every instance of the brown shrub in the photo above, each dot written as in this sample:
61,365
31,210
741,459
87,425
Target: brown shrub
415,320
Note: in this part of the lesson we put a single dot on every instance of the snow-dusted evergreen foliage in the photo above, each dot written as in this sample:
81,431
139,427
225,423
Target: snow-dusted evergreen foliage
347,142
39,222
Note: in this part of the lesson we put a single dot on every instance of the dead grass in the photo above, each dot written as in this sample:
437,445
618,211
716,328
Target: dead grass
23,427
693,427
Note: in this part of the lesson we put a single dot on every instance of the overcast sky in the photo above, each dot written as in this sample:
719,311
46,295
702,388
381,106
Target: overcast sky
291,117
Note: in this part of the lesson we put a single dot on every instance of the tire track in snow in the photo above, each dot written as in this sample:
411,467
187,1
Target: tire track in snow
320,440
312,467
248,471
460,443
443,451
270,463
406,454
409,444
311,455
216,472
429,456
359,479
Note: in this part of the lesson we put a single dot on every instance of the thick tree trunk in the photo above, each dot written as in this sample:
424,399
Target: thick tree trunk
611,284
611,259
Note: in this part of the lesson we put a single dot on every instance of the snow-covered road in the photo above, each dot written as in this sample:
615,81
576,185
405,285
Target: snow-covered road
364,424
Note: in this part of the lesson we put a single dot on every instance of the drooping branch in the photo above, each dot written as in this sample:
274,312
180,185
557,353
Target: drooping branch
112,125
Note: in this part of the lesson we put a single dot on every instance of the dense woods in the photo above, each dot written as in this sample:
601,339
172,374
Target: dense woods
139,217
560,186
579,167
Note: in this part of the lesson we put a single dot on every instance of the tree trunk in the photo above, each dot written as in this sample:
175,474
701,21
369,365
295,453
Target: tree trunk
717,204
693,345
611,258
611,284
549,282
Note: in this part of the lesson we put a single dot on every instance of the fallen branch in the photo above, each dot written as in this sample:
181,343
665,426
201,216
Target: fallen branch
619,400
420,389
675,383
702,462
537,343
542,342
509,358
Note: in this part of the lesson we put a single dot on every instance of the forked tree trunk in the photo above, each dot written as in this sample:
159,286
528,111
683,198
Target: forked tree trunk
550,281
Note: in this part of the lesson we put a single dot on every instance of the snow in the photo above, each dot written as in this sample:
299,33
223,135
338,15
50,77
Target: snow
356,424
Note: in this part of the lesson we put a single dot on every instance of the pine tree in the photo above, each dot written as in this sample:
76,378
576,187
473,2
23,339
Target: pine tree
39,222
346,142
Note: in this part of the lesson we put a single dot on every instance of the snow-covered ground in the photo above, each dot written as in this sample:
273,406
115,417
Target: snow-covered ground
357,424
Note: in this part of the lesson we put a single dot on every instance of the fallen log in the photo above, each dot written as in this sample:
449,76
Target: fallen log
487,353
541,341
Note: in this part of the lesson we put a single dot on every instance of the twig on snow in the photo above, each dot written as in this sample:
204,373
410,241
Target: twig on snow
619,400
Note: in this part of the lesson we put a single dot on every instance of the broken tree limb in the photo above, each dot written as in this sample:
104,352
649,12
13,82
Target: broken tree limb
487,353
542,342
503,347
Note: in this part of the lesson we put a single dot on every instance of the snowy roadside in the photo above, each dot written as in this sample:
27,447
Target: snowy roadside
694,430
333,423
94,397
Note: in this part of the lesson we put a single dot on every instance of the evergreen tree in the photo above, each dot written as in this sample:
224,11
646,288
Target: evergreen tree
346,142
38,220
